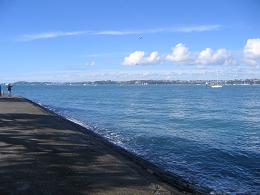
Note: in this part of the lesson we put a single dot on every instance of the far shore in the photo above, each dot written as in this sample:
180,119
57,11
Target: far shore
248,81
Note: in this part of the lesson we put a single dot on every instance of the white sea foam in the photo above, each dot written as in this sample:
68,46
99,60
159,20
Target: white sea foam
111,136
74,120
81,123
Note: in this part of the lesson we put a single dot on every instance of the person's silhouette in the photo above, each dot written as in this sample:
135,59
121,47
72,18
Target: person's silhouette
9,89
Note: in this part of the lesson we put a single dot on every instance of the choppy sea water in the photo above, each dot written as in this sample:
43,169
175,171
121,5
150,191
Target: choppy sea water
210,137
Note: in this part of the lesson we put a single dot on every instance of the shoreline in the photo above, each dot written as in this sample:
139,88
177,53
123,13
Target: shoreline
169,178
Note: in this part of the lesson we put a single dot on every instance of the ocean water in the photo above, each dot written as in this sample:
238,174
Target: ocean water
210,137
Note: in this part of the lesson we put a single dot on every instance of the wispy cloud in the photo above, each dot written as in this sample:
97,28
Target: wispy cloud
48,35
199,28
184,29
133,32
56,34
114,32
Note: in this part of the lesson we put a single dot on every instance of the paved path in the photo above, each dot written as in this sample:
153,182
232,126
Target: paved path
42,153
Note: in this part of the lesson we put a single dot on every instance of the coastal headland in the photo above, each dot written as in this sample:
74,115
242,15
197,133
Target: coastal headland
44,153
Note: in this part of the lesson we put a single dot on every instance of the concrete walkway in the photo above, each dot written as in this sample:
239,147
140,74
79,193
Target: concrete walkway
42,153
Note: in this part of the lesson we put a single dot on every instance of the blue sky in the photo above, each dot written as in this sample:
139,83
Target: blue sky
77,40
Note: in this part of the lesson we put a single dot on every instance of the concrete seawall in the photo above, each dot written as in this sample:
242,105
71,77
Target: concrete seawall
43,153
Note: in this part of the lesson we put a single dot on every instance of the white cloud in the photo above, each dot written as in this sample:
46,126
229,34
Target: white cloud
252,52
139,58
220,57
180,54
152,58
205,56
134,58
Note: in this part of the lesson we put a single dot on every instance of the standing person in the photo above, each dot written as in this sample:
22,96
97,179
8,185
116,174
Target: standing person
9,88
1,90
